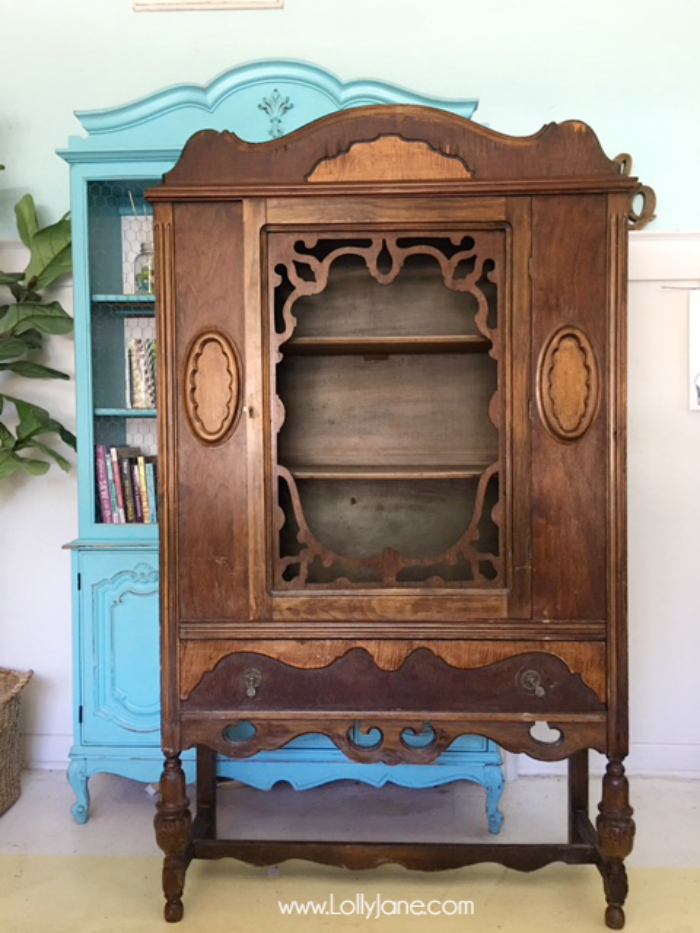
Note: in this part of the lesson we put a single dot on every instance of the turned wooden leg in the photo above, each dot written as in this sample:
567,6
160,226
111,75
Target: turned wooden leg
578,792
615,834
172,824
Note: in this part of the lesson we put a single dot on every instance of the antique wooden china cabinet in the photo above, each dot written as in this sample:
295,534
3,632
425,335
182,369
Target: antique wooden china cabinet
392,383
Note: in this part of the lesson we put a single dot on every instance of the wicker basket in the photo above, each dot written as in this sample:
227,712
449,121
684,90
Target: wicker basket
11,685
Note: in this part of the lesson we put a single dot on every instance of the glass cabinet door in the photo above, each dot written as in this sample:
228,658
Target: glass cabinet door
387,448
122,352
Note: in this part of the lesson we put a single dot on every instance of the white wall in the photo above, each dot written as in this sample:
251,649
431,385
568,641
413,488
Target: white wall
628,68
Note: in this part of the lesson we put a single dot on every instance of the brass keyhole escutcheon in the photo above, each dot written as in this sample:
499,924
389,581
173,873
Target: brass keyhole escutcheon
532,682
251,681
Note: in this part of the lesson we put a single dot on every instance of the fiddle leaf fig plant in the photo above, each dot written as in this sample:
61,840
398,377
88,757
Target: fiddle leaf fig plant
28,433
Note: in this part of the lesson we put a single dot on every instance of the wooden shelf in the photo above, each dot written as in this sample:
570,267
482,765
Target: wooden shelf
453,343
391,472
124,299
127,305
125,412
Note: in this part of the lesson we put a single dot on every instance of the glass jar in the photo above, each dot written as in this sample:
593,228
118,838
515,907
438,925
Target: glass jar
144,270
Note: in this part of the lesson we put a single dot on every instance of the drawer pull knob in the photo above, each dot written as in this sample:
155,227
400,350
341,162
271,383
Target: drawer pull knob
532,682
251,681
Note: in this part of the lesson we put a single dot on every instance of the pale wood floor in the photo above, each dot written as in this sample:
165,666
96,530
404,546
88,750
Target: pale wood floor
667,813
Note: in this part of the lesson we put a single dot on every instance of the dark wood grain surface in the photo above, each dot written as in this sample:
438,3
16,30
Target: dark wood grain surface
392,371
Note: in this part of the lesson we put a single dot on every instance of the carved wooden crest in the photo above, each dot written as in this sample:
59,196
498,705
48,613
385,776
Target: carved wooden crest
390,158
568,384
212,387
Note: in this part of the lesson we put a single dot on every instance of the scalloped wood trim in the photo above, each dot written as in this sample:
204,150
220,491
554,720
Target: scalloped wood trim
565,154
574,734
198,658
390,158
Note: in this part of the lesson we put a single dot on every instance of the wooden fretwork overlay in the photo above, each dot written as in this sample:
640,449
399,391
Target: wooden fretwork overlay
386,352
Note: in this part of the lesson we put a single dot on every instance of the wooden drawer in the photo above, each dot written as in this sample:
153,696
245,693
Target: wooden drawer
533,682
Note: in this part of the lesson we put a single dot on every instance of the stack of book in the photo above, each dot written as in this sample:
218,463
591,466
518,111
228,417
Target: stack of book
141,370
126,486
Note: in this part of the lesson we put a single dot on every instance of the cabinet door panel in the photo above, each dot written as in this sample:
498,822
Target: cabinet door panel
398,446
209,384
569,448
120,649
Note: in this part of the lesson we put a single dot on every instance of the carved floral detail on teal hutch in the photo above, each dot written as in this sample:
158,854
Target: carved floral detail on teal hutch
115,580
275,106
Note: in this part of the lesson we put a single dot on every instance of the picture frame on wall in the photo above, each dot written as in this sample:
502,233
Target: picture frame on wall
168,6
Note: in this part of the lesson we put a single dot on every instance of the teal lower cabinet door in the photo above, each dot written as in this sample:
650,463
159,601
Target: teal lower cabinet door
117,702
116,668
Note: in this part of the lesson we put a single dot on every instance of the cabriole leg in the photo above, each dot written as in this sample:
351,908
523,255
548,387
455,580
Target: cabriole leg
494,790
78,778
615,834
172,824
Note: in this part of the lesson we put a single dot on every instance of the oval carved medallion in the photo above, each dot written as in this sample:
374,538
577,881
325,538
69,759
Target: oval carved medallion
212,387
568,384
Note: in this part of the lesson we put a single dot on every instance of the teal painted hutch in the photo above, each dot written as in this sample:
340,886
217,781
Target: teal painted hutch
115,564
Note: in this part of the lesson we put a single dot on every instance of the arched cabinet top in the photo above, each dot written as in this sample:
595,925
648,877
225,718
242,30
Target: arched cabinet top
436,145
258,101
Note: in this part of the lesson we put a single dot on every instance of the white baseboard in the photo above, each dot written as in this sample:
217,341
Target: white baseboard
46,752
666,761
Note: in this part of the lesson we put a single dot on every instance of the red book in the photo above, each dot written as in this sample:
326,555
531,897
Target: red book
103,493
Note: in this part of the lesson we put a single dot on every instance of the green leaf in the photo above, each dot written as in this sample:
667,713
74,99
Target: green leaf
12,347
50,254
61,264
27,223
31,370
32,339
7,438
10,278
32,418
35,420
10,463
48,318
67,436
49,451
22,329
34,467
